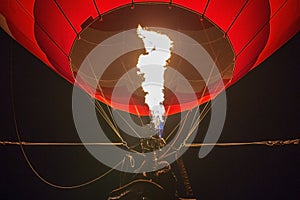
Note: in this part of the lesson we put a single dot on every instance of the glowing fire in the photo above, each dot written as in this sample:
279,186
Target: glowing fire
151,67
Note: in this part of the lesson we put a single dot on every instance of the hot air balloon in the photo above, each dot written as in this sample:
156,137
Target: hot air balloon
235,35
238,35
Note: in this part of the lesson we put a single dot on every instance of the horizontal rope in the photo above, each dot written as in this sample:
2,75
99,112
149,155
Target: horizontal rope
267,143
61,143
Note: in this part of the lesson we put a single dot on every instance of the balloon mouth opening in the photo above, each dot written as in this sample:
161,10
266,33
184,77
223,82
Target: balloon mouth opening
180,19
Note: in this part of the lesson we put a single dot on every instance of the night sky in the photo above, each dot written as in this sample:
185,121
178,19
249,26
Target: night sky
264,105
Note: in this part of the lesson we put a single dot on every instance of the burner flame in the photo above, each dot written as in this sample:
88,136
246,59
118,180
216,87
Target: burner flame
152,66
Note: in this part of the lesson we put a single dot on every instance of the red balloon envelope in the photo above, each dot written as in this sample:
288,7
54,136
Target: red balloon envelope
237,34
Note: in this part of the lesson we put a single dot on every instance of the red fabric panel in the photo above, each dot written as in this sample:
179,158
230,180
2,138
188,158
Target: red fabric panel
21,26
283,25
223,12
255,15
28,5
195,5
78,12
52,21
59,60
17,15
275,4
107,5
156,1
248,57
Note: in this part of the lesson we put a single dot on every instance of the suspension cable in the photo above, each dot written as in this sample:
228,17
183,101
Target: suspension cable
270,143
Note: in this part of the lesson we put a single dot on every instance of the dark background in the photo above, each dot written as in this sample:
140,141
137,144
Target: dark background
264,105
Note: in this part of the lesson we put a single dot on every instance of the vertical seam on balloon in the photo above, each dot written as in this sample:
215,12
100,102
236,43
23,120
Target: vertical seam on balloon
255,35
42,29
236,17
96,8
170,3
64,14
22,6
206,6
225,36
